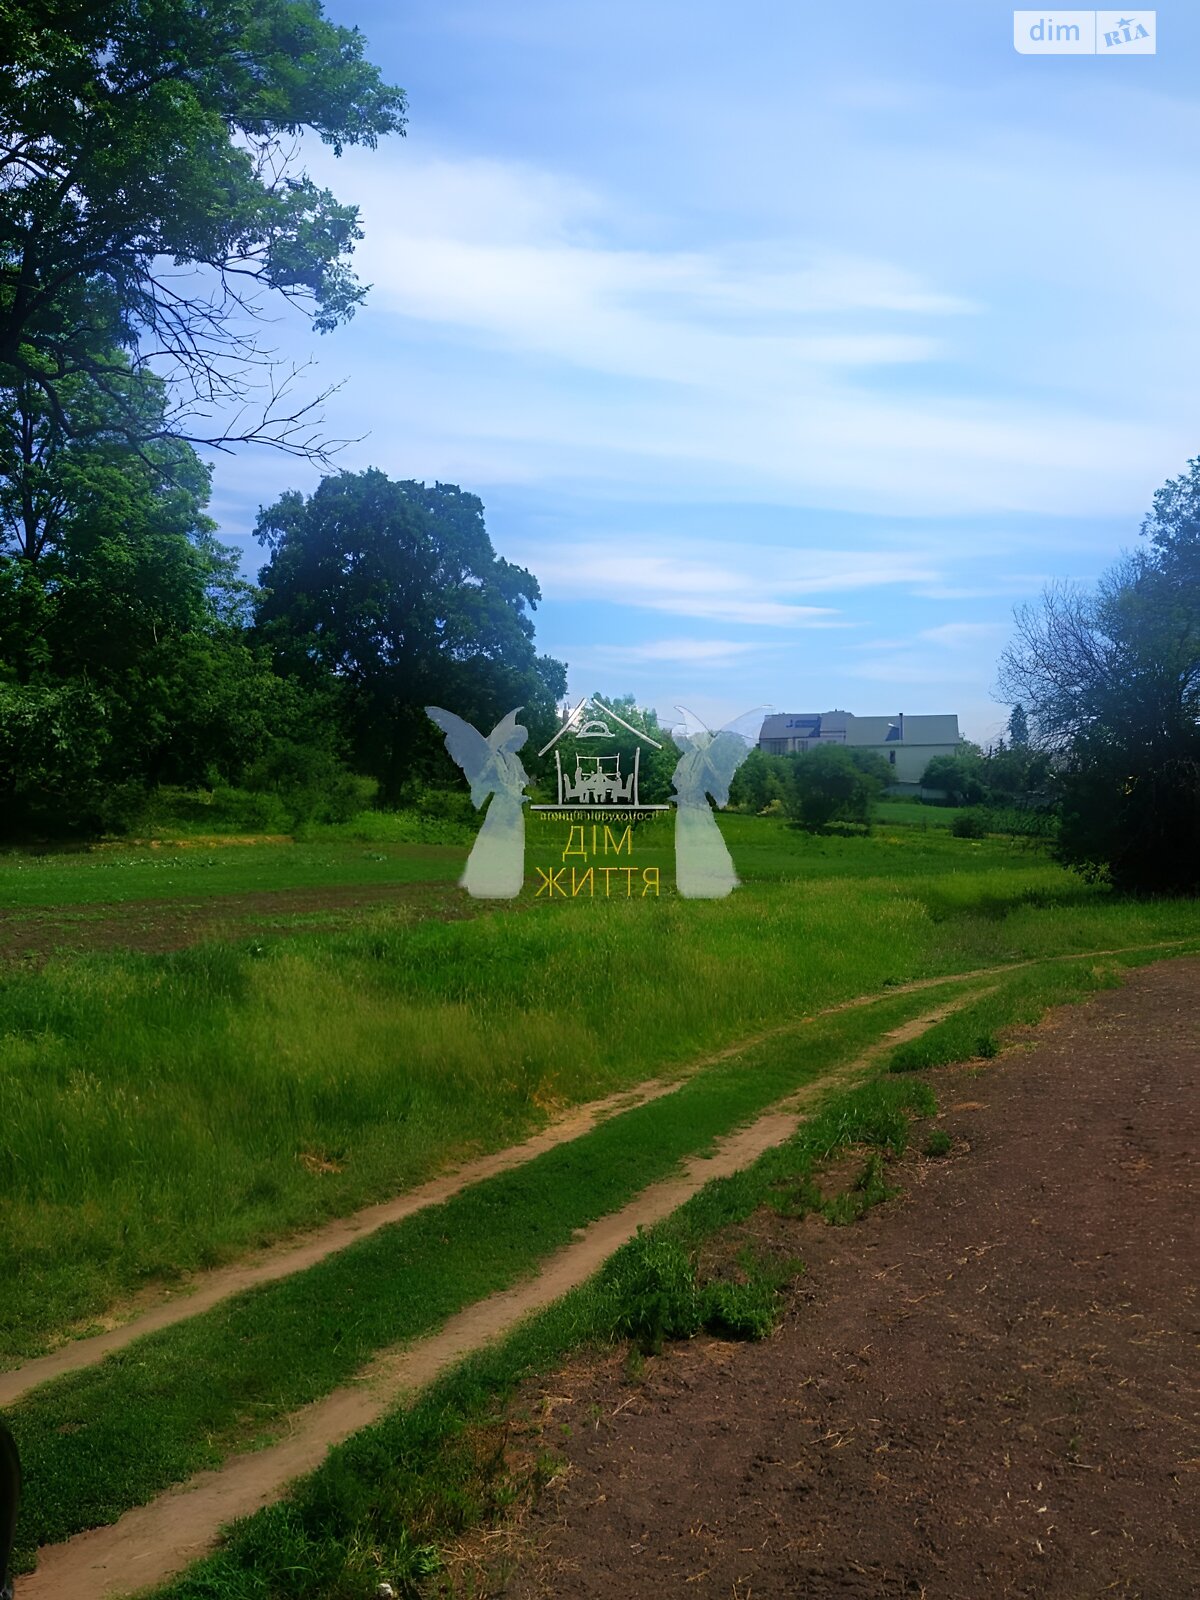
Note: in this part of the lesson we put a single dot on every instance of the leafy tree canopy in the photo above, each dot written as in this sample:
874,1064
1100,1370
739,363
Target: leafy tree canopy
833,784
123,660
1111,680
1018,726
960,777
151,188
761,779
392,592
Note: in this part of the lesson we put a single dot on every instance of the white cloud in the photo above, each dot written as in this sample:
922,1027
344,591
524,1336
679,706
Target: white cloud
958,635
683,652
754,369
759,585
901,669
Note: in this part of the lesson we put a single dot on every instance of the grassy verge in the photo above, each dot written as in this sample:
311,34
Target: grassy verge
1022,997
117,874
103,1440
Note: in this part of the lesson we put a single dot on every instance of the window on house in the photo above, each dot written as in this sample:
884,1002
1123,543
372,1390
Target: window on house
892,758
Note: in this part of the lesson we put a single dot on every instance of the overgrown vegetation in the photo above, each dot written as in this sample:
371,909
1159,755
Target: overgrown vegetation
381,1052
1111,679
134,1147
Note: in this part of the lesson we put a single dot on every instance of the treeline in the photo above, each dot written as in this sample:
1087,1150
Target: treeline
836,783
134,656
1110,678
831,784
154,208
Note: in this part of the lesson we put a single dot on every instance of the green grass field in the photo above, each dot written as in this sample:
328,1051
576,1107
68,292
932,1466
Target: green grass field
165,1113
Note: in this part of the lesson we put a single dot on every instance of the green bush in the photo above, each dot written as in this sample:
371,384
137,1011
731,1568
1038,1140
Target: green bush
969,825
310,784
959,777
656,1292
657,1295
222,809
441,805
832,784
741,1310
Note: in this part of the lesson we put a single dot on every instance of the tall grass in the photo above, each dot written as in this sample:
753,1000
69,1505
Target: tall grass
159,1114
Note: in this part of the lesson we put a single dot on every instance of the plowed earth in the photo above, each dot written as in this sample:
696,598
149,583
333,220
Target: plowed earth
985,1388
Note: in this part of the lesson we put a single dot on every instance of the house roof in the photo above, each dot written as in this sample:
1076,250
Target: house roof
921,729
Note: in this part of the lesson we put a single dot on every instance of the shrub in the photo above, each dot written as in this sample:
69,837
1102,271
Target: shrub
656,1292
741,1310
831,784
959,777
656,1295
969,825
310,783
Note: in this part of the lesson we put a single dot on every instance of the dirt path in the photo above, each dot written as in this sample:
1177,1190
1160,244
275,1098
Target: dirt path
161,1307
281,1262
152,1542
986,1389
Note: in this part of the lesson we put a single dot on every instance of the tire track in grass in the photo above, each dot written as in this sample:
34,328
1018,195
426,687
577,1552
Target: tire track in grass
155,1541
284,1260
99,1442
281,1261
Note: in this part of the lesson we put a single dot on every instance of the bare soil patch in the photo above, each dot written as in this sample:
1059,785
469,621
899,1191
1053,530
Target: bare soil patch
172,924
987,1387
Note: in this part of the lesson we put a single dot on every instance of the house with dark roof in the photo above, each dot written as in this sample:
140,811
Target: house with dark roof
906,743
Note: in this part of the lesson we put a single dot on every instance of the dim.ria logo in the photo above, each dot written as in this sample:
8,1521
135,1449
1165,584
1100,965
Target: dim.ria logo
597,771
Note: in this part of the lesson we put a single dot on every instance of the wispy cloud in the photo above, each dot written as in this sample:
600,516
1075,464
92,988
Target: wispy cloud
959,635
757,366
758,585
680,652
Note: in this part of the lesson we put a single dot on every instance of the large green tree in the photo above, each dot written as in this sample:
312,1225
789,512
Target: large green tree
392,592
152,188
1111,680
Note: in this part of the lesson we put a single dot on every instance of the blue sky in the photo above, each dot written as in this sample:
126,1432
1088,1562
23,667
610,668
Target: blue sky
790,346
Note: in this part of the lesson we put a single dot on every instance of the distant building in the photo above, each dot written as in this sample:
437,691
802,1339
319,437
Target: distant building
907,744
